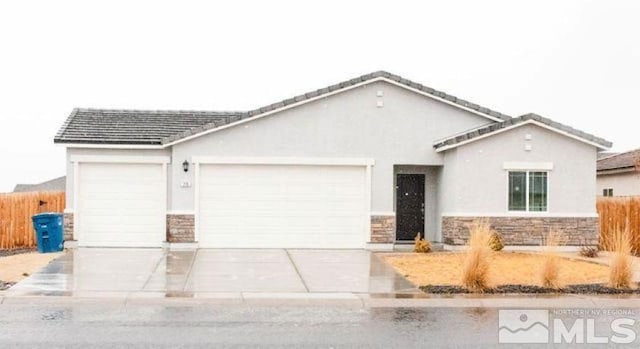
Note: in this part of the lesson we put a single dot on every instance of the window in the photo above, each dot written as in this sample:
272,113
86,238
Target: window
607,192
528,191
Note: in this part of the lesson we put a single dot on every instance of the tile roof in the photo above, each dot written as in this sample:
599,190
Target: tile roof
103,126
619,161
139,127
606,154
56,184
495,127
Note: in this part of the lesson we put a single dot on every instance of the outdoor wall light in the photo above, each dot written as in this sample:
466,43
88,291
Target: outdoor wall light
185,166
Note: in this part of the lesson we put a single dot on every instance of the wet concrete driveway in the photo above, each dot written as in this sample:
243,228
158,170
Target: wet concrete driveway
94,272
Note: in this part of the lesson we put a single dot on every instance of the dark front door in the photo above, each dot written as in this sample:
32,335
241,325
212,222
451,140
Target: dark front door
409,206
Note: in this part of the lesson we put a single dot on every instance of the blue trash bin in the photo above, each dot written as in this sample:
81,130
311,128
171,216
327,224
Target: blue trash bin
48,227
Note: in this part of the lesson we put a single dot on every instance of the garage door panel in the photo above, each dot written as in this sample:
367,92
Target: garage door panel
282,206
121,205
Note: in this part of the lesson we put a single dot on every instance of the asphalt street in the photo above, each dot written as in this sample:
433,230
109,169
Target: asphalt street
116,325
162,326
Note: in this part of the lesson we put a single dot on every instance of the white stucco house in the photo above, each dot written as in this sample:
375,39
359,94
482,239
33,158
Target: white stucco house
618,174
367,162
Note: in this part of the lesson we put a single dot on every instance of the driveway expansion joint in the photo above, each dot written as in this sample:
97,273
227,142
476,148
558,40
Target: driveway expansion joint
162,258
295,267
188,278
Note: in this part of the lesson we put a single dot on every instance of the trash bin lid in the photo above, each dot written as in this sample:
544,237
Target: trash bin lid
47,215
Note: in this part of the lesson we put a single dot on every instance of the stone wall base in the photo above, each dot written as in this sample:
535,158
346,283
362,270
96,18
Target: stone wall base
67,221
180,228
528,231
383,229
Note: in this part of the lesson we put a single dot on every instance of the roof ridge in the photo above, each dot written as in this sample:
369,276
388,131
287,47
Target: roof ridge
158,111
374,75
491,114
454,140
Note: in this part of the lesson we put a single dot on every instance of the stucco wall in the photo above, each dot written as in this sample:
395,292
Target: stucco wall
623,184
344,125
475,182
112,152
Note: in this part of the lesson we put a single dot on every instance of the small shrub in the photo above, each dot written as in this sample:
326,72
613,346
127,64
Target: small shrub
620,266
549,274
421,245
475,268
588,251
495,242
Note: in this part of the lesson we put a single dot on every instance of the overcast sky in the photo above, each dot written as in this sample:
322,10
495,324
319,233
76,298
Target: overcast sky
577,62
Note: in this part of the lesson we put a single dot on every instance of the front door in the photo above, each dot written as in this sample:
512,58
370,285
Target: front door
409,206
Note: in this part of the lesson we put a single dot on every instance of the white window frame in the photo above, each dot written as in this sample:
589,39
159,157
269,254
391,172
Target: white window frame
528,171
606,191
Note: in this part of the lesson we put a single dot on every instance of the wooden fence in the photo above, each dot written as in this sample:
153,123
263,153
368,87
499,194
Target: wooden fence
619,214
16,209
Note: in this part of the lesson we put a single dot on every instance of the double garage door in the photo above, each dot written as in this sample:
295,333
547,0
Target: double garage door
241,206
267,206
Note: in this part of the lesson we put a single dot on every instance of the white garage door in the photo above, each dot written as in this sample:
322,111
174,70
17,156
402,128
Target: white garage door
273,206
120,205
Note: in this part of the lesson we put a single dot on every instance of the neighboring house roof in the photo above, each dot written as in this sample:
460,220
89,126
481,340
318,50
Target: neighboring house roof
139,127
496,128
56,184
606,154
626,160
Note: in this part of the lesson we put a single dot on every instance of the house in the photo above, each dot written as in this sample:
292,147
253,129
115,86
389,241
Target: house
618,174
364,163
56,184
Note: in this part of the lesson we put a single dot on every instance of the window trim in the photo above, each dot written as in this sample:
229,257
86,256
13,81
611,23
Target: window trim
527,211
607,192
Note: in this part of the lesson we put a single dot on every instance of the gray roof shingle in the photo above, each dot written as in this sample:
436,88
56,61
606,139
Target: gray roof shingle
147,127
56,184
495,127
139,127
619,161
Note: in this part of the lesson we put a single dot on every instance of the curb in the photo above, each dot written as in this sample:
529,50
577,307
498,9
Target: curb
342,300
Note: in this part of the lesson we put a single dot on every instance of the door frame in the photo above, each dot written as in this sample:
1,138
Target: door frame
424,201
302,161
77,160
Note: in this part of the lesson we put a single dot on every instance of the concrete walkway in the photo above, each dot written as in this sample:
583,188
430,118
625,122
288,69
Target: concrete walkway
215,274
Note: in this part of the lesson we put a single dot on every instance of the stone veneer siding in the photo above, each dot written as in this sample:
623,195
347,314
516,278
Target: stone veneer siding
67,221
575,231
383,229
180,228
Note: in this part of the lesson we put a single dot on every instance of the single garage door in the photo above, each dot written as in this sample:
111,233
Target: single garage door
120,205
282,206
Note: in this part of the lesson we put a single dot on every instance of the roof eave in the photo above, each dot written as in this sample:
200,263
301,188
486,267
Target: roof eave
612,171
439,147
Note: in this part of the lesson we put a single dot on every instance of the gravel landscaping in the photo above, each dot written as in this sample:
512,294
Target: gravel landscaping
509,273
532,289
506,268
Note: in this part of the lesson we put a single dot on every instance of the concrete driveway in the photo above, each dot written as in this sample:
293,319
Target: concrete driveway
93,272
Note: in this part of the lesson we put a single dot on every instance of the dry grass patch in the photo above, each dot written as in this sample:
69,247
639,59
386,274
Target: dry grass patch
475,267
550,272
13,268
507,268
620,267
